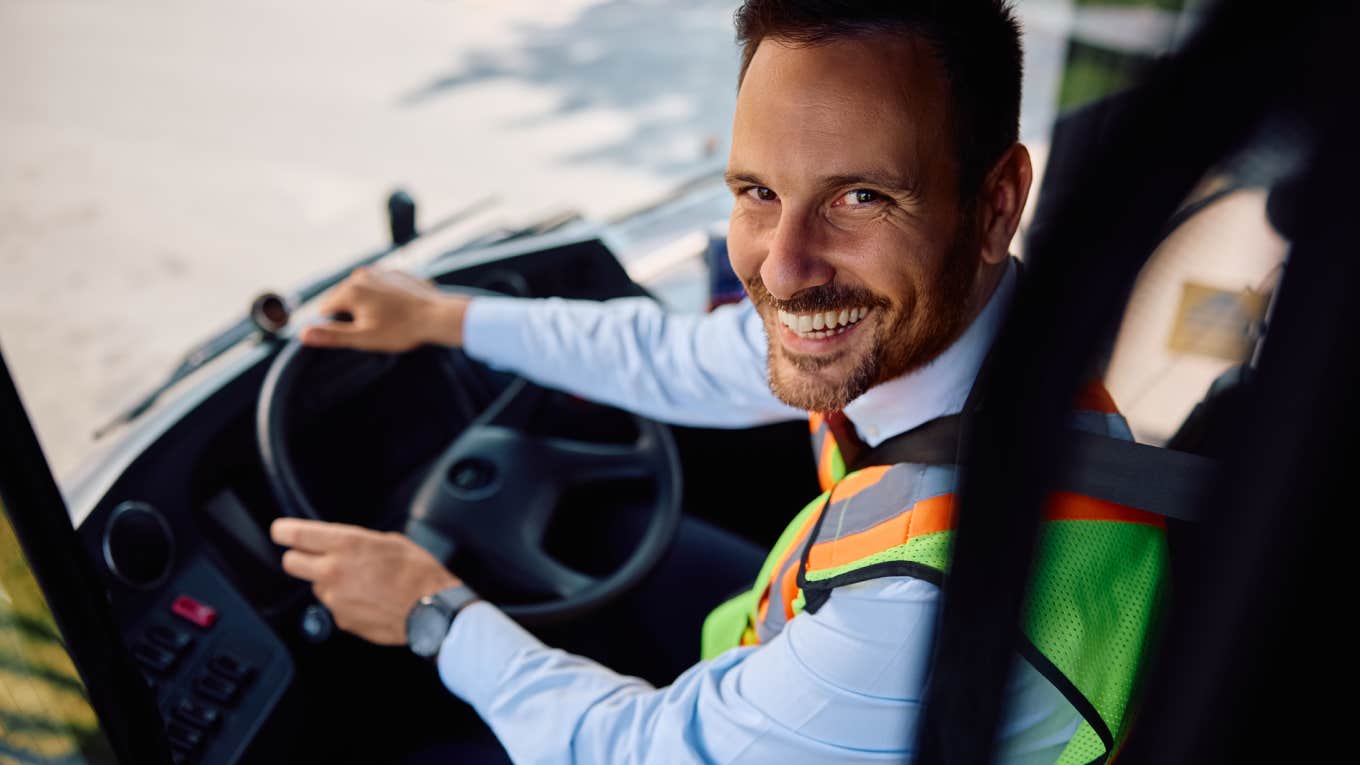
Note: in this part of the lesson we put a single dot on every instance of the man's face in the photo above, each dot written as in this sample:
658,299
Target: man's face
848,230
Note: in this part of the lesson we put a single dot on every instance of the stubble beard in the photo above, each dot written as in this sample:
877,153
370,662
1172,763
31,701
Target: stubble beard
907,338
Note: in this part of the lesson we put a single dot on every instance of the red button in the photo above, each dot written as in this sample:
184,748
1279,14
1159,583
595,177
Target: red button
193,611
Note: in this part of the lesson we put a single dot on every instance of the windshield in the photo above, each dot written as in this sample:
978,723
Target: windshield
166,162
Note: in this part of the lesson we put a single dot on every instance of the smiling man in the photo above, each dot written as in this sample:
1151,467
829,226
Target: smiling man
878,184
851,230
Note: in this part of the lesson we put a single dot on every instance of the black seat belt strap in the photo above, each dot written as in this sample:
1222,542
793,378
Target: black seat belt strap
933,443
1160,481
1169,483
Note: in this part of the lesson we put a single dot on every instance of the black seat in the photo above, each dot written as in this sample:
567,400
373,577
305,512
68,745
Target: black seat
1208,431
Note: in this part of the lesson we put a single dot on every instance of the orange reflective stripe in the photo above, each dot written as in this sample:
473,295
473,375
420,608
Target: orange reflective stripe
815,420
788,590
1066,506
858,481
1095,398
925,517
932,515
885,535
824,475
794,546
797,542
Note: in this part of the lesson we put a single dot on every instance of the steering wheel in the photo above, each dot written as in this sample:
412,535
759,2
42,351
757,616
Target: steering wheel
497,488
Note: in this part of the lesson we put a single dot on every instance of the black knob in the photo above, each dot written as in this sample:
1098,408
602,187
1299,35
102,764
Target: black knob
139,547
270,313
401,217
316,624
472,474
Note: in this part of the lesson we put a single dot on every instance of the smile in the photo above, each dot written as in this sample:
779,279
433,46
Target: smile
815,326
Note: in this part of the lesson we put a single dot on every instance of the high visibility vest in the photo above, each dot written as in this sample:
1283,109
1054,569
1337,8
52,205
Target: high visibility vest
1097,579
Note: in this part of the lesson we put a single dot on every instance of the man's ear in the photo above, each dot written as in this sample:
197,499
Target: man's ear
1001,201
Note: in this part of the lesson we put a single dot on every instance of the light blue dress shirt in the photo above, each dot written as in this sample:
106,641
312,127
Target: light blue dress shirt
841,685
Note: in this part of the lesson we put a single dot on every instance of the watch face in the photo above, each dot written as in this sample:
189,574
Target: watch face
426,628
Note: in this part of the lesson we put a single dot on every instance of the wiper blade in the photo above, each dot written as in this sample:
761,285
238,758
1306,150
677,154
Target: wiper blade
193,360
242,329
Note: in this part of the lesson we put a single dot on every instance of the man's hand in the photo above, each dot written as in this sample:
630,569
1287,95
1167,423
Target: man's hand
392,312
369,580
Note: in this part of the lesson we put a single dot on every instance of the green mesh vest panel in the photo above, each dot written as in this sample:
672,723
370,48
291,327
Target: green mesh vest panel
1091,605
725,624
1093,598
1092,602
931,550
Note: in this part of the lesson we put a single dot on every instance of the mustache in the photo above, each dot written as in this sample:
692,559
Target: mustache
827,297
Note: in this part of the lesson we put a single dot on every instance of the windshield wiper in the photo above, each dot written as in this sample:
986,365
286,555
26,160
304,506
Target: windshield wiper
401,219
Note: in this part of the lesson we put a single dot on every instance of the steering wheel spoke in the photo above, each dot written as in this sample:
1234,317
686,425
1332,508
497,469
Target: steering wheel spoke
470,392
577,462
516,407
533,570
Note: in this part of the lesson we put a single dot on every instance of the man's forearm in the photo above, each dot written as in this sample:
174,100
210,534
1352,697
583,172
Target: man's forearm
533,697
704,370
840,685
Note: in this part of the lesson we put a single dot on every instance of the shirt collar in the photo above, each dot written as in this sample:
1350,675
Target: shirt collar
939,388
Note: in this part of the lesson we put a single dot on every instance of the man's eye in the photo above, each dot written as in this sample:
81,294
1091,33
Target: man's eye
861,197
761,193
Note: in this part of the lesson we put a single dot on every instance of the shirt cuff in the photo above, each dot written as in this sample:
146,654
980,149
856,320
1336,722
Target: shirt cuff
481,644
493,328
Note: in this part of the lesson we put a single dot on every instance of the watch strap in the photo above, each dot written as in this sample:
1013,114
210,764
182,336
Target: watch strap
455,599
448,603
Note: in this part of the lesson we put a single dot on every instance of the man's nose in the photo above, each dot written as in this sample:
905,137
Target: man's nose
792,263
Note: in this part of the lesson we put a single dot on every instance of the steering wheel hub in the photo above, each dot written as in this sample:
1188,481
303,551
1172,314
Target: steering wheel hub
474,477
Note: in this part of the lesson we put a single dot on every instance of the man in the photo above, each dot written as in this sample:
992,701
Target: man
878,184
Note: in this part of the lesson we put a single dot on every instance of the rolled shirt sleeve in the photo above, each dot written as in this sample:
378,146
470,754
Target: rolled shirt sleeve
841,685
704,370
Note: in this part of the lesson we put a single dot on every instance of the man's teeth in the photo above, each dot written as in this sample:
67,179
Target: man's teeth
822,324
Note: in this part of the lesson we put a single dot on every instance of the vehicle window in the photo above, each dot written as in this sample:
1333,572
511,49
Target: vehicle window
1198,309
45,713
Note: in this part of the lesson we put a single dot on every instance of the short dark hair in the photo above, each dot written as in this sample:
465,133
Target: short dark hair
977,41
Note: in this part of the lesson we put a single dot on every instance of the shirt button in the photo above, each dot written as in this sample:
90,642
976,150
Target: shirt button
871,431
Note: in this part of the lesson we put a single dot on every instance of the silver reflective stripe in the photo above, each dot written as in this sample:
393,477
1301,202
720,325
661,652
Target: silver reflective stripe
895,493
818,438
775,619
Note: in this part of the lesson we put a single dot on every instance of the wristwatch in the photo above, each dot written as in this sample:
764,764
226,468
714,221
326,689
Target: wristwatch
430,619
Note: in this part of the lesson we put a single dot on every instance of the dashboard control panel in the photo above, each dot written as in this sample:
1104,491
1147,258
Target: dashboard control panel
216,668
